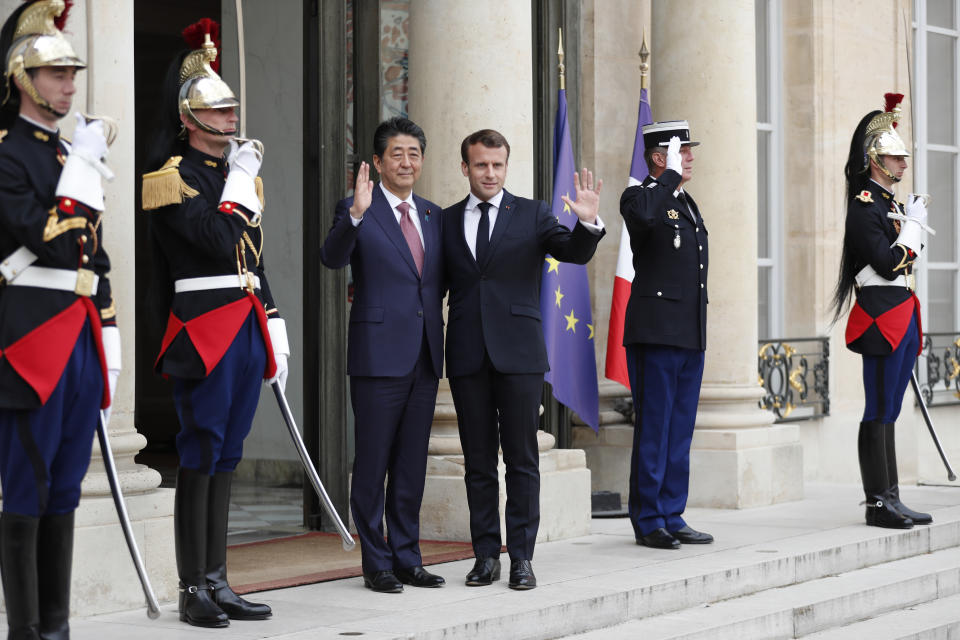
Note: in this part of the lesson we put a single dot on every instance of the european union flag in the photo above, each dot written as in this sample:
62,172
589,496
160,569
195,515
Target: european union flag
565,298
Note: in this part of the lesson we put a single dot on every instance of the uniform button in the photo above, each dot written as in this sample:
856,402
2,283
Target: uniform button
420,313
701,266
697,229
701,247
83,238
85,259
701,285
659,293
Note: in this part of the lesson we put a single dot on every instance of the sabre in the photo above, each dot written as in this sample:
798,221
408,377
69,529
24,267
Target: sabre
347,539
242,67
153,608
951,476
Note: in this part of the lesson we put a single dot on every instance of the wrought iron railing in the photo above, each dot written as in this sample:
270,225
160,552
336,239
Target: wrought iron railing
794,374
938,369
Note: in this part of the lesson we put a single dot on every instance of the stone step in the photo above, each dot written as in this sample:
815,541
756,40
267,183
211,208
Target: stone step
799,610
937,620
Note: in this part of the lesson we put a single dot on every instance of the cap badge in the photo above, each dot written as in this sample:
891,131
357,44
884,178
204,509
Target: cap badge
864,196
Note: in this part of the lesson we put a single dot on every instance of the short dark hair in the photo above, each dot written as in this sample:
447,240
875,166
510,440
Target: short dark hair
648,157
393,127
487,137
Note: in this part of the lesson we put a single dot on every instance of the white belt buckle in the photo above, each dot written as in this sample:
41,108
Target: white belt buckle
85,280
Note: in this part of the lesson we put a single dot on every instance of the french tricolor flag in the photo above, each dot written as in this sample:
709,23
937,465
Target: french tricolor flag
616,367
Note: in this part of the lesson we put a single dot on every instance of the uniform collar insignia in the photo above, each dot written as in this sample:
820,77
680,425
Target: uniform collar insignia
865,196
210,163
673,215
886,196
41,136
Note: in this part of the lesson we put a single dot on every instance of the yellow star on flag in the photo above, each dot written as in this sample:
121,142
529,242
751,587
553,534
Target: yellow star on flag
590,337
572,321
559,296
566,207
554,265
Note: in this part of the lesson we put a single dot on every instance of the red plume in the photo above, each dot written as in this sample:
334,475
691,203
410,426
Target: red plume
891,100
194,35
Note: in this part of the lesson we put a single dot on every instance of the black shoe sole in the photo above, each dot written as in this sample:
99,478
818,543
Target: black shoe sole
522,587
710,541
483,583
211,624
374,589
435,585
265,616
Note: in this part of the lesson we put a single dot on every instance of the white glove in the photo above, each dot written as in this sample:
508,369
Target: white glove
916,209
244,161
80,178
111,352
281,350
247,157
673,155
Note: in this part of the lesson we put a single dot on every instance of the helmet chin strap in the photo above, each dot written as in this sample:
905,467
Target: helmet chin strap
187,111
879,165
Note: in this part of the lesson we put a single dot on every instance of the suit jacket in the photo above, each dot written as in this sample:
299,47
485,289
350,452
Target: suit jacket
393,306
668,299
881,316
495,306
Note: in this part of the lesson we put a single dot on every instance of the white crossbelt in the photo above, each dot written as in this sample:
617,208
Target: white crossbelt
868,277
14,264
48,278
213,282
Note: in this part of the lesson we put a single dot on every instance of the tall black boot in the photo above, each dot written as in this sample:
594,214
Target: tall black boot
54,563
18,565
889,430
190,528
873,471
219,514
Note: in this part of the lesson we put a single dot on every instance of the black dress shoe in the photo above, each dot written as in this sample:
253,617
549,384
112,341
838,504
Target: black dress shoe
382,581
686,535
419,577
484,572
659,539
521,575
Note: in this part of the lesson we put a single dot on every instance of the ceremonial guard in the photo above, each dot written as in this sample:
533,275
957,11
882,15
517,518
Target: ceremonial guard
224,335
59,344
883,238
665,335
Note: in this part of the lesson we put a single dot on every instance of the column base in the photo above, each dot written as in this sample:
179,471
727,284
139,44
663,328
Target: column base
104,577
738,468
564,497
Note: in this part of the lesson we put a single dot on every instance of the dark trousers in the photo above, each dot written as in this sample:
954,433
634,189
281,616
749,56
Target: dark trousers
665,382
45,452
885,378
392,427
216,412
497,410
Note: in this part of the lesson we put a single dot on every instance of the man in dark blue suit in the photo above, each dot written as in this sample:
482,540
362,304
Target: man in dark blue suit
494,245
391,239
665,335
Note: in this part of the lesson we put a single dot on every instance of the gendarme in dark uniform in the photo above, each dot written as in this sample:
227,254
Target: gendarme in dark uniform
665,334
59,344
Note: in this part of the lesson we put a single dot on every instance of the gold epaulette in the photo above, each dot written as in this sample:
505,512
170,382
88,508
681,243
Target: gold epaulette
3,134
165,186
258,184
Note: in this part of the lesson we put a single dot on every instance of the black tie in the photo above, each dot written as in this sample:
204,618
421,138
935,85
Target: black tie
682,197
483,231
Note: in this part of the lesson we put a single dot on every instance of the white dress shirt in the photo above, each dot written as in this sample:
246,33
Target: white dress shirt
394,201
471,220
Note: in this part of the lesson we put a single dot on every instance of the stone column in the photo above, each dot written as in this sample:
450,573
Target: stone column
102,33
459,83
705,73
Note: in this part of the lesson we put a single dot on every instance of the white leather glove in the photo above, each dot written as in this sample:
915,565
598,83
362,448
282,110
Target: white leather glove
916,209
673,155
247,157
80,178
911,229
111,351
244,161
281,350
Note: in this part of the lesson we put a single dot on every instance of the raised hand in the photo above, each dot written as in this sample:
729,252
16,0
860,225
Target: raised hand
362,192
587,202
673,155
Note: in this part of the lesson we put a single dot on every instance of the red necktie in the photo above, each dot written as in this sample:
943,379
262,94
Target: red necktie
410,234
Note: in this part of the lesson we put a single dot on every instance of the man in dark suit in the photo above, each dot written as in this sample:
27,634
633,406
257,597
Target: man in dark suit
665,335
494,245
391,239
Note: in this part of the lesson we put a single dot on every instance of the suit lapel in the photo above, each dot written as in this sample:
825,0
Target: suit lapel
458,211
429,227
504,218
383,214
